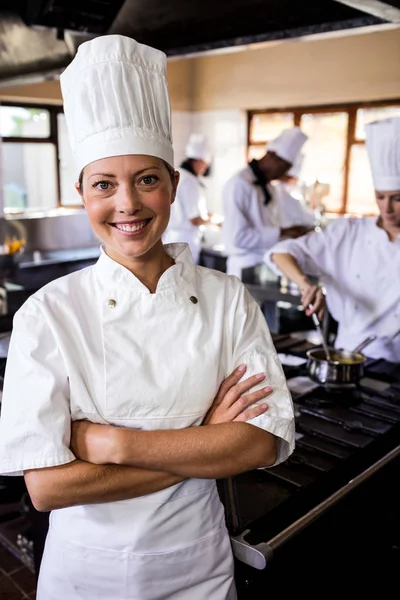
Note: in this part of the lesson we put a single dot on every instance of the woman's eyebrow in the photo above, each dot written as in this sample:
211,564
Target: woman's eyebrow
134,174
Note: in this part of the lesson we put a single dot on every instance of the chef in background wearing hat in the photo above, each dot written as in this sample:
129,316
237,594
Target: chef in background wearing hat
252,216
189,209
118,374
357,259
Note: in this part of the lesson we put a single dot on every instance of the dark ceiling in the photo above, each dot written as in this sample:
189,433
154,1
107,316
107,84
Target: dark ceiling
38,37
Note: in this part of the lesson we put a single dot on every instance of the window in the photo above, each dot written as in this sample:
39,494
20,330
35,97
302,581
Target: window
35,159
336,171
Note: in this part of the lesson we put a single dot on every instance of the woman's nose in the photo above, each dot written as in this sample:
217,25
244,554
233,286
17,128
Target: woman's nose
128,200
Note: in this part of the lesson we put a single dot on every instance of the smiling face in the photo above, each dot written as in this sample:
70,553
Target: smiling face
389,208
128,201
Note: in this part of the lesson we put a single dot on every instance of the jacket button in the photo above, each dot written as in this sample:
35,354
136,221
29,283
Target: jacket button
193,299
112,303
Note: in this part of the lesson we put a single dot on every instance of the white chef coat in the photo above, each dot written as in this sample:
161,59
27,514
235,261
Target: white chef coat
97,345
291,211
190,202
360,268
250,227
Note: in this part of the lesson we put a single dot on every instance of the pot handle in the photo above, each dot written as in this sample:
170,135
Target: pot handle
365,343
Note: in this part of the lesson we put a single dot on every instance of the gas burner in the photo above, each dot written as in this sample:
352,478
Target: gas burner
334,395
338,387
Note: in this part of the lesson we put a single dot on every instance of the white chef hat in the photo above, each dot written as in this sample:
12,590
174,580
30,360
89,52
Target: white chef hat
197,147
116,101
297,165
383,148
288,144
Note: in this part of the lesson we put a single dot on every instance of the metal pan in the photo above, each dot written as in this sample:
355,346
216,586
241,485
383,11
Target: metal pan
344,366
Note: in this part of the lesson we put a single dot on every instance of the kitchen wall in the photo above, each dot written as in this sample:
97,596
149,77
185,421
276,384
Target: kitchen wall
359,67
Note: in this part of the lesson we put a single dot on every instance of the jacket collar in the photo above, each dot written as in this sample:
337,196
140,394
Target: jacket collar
111,274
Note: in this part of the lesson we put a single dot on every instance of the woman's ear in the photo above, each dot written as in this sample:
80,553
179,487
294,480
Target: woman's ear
78,188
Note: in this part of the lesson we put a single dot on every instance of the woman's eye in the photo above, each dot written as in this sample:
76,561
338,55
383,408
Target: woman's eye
101,185
148,179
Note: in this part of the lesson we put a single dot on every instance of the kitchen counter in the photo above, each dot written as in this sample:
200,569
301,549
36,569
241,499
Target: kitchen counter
37,268
42,258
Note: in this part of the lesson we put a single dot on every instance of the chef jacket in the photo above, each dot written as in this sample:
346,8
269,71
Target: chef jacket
97,345
190,202
291,211
250,226
360,269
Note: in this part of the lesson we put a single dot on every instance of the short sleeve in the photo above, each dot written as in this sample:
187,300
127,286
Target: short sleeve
252,345
35,420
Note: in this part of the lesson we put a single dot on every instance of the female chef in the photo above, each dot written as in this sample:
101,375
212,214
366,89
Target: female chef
117,406
357,260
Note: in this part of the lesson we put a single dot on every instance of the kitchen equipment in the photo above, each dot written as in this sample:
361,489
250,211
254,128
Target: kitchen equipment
343,366
319,329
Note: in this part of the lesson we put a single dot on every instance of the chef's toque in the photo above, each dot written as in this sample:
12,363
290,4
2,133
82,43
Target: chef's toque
288,144
198,148
116,101
296,167
383,148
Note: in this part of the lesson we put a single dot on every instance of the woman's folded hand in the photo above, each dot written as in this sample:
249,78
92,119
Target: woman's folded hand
233,404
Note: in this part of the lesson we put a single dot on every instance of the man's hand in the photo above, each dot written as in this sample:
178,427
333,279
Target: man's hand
231,405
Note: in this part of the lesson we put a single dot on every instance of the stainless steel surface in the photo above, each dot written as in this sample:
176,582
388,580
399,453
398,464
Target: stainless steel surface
342,367
62,231
258,555
255,556
333,371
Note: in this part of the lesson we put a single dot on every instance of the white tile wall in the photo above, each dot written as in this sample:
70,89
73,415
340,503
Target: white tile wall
227,134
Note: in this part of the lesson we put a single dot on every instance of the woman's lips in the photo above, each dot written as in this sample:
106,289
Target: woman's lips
132,228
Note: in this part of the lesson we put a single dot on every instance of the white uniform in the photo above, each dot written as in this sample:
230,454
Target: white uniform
360,268
250,227
146,361
190,202
291,211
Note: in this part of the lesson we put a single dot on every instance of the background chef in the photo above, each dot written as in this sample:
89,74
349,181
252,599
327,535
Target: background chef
252,216
189,210
357,260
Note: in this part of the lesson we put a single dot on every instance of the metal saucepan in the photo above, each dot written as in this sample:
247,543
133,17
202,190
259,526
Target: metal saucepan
344,366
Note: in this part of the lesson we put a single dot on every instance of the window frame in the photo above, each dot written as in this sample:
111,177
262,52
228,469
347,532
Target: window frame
350,108
54,110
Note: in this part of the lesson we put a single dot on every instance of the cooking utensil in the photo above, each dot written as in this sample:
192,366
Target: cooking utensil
343,367
319,329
